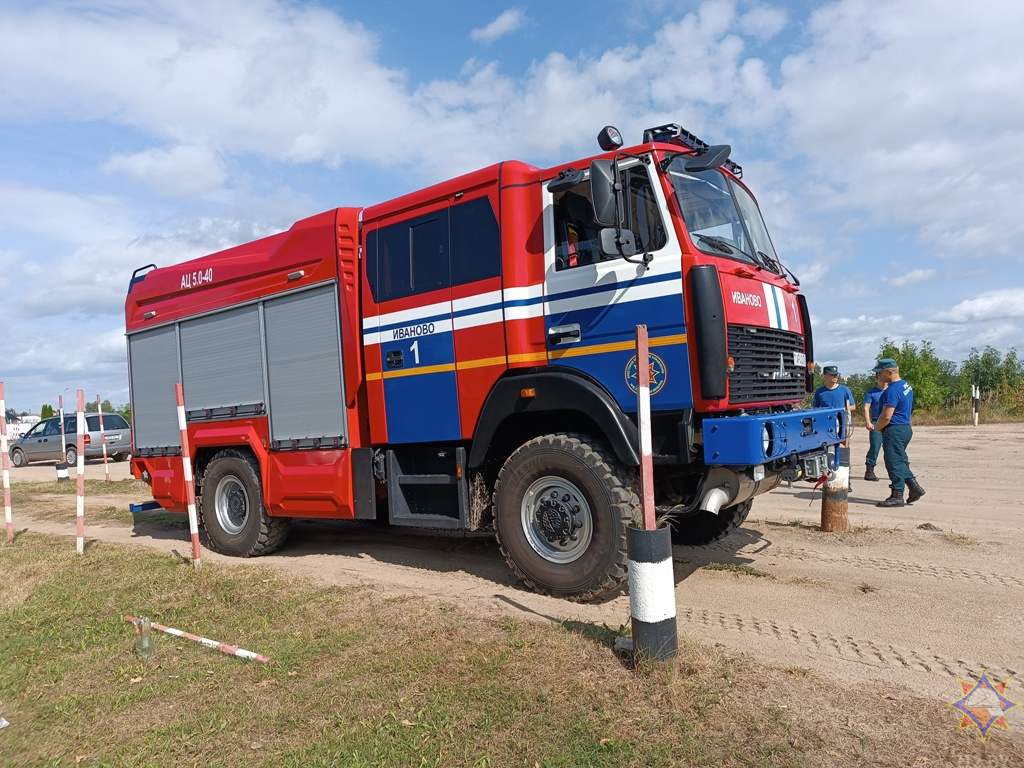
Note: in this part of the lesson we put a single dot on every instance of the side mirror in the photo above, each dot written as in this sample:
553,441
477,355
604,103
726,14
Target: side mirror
712,157
606,193
617,242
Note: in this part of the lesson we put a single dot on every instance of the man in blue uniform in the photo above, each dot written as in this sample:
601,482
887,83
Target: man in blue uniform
894,423
835,395
872,410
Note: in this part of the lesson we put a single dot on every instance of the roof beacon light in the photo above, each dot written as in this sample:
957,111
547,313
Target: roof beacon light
673,133
609,138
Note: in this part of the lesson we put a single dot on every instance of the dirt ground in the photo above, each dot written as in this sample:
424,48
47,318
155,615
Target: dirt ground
889,603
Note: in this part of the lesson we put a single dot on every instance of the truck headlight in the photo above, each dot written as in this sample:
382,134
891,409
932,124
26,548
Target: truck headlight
766,440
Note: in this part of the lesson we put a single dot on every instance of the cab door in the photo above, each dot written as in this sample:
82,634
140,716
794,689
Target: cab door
593,302
415,327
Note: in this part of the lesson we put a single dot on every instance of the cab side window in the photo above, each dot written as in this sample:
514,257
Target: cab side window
52,428
576,242
577,232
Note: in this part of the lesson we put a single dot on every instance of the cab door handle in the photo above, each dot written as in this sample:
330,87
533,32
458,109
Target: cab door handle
564,334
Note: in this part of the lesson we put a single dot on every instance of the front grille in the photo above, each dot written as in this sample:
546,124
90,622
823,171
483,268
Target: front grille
765,368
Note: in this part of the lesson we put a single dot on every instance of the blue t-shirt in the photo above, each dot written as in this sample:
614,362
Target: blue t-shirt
900,395
873,399
833,398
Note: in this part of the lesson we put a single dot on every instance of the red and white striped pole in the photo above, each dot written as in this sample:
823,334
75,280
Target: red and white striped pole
643,382
103,439
80,445
230,650
190,487
6,465
652,593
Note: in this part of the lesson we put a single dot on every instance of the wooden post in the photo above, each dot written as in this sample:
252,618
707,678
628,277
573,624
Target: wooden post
835,495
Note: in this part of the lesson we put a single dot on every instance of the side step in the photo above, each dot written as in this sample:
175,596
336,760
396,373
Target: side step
419,495
146,506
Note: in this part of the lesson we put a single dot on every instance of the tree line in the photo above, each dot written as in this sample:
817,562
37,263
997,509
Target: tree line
942,388
125,410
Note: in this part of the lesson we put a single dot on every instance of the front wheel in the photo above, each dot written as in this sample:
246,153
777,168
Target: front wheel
231,505
562,504
703,527
18,458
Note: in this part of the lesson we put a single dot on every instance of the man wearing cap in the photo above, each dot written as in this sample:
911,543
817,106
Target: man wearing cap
894,423
872,410
835,395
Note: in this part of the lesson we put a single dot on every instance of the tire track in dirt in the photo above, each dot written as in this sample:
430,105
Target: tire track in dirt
846,647
927,570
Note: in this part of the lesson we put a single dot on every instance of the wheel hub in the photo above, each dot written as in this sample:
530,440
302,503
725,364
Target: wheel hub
557,518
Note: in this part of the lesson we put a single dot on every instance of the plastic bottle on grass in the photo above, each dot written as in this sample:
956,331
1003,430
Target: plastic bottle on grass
144,647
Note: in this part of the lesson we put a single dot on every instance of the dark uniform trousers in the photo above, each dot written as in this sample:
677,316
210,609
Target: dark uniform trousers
895,438
874,447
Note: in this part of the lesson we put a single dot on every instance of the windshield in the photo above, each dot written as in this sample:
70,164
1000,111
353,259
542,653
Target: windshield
721,216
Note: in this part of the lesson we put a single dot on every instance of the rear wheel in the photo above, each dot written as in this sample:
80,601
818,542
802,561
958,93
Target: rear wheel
562,504
18,458
231,504
703,527
71,456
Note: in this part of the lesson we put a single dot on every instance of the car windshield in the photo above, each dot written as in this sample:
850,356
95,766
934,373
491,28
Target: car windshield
721,216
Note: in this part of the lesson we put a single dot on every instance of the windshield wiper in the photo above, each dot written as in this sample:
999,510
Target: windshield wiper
769,262
717,243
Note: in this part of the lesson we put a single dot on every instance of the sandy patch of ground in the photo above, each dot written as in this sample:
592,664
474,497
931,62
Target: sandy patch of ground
889,603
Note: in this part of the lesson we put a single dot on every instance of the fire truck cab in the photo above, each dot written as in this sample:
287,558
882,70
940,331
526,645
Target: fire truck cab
463,357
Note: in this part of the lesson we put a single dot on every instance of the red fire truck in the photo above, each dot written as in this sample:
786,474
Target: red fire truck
462,357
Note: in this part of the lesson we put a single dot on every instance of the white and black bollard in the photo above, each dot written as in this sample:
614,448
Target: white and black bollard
652,594
975,401
652,585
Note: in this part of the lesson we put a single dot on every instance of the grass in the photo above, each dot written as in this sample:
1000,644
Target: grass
739,569
362,679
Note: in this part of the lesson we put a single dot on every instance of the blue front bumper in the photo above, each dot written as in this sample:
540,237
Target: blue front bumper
749,440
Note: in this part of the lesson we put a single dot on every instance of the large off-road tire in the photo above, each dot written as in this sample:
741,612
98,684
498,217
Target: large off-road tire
562,504
231,506
71,456
704,527
18,458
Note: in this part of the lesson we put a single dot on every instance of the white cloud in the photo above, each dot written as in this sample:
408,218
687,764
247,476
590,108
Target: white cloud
762,22
509,21
992,305
182,171
893,112
913,277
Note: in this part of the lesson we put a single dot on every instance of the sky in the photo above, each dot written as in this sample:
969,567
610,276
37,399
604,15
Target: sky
882,140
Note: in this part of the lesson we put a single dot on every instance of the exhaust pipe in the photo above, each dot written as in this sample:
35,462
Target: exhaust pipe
715,499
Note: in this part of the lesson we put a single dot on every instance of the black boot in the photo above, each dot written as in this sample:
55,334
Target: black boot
870,474
895,499
916,491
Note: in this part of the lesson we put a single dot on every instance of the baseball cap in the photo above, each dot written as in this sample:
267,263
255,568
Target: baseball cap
831,369
884,363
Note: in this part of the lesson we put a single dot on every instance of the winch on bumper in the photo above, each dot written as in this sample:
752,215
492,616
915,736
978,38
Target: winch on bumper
769,448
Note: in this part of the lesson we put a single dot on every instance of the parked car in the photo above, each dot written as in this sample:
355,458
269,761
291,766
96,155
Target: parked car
42,442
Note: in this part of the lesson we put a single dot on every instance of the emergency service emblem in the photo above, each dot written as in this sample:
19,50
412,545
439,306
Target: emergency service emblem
659,374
